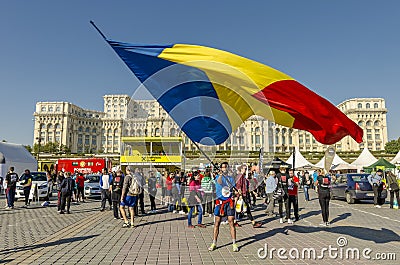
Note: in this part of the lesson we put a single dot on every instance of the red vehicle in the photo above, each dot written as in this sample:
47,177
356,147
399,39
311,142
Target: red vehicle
82,165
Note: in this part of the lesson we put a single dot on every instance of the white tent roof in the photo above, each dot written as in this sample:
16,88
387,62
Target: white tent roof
344,166
396,159
336,161
364,159
300,161
16,155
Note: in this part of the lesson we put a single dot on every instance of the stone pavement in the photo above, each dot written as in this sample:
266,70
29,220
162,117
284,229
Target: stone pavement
39,235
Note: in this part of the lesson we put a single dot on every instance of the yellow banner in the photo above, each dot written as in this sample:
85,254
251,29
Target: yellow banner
151,159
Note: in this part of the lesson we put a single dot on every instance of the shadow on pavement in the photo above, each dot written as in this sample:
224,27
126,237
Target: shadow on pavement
49,244
368,234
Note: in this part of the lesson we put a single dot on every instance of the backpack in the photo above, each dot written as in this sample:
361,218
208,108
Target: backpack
117,183
134,187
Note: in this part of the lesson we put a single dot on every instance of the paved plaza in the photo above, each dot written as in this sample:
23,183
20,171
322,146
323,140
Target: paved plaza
39,235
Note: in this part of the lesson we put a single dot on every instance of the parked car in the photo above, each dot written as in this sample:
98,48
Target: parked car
38,178
92,185
353,187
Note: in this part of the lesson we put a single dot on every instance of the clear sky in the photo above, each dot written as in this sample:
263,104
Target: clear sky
49,52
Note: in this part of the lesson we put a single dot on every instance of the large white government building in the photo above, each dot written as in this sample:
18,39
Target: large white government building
90,131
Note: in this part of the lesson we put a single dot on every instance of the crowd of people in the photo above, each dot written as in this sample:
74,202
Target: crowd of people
226,193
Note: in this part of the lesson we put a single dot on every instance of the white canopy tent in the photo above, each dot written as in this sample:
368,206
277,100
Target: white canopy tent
16,155
396,159
344,166
336,161
300,161
364,159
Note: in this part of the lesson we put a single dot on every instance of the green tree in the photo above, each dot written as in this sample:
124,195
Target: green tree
393,146
29,148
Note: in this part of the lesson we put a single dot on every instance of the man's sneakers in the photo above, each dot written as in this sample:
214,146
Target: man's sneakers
378,206
127,225
201,225
235,248
290,221
212,247
281,220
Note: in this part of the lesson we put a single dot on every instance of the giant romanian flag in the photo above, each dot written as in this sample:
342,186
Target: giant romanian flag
210,92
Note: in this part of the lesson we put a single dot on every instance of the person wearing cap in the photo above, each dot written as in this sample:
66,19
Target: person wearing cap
376,182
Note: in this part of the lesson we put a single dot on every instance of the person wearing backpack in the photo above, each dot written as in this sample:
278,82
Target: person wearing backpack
67,187
324,195
11,181
130,191
116,191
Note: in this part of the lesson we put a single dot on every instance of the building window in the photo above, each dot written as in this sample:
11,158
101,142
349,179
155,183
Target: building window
80,129
80,140
257,139
369,136
87,130
360,123
377,123
375,105
369,123
43,109
94,141
300,139
368,106
359,106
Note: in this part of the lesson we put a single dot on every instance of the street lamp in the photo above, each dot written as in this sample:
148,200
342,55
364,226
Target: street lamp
39,140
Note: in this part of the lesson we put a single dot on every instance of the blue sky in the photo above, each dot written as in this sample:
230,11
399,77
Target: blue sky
49,51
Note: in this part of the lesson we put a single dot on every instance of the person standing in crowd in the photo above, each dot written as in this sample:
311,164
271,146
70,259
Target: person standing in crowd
270,187
11,181
242,186
152,190
224,185
307,184
142,182
207,185
168,191
49,183
315,177
129,196
282,177
324,195
80,186
163,185
60,179
293,184
116,191
377,185
252,187
67,188
27,185
105,182
393,187
195,199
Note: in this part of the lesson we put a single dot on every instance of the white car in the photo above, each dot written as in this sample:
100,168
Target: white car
38,178
92,185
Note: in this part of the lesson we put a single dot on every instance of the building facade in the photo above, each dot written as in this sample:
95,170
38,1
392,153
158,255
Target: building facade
88,131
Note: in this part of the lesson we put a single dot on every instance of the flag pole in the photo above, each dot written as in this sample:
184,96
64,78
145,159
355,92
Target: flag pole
208,158
98,30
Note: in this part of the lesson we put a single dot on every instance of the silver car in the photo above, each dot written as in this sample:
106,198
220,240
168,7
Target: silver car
92,185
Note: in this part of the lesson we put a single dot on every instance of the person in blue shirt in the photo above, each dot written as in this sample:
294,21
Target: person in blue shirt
224,205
